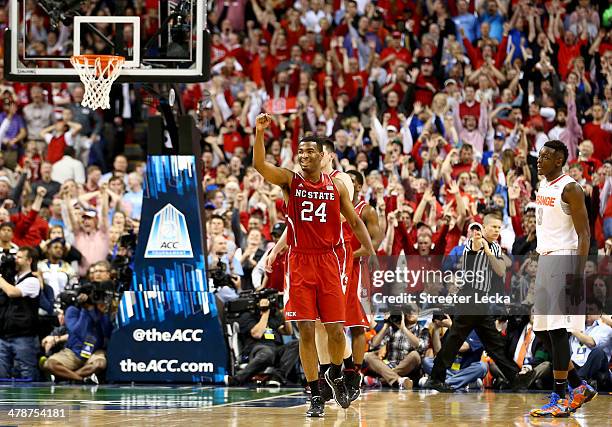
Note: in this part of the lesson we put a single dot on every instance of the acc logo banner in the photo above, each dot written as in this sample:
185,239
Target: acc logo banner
169,237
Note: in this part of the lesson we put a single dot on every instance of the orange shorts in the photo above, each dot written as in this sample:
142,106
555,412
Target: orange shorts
355,314
313,286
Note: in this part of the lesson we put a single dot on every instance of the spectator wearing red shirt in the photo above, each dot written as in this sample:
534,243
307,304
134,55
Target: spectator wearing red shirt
58,136
279,48
426,85
568,47
467,163
293,27
263,65
400,231
354,76
601,138
30,229
480,57
469,106
218,51
395,54
232,137
399,82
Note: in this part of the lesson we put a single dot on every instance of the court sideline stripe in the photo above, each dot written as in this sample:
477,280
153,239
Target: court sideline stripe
254,400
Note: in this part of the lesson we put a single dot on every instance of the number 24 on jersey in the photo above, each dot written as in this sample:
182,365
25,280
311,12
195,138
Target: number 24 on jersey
307,211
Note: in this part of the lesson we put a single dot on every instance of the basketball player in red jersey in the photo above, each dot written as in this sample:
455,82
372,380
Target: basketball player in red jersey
314,203
345,255
356,319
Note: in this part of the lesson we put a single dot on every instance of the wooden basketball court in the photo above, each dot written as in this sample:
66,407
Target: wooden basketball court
219,406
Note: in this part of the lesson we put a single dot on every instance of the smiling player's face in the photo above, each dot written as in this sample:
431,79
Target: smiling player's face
309,157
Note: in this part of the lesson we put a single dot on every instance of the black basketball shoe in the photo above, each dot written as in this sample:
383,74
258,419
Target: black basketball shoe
317,407
353,380
338,389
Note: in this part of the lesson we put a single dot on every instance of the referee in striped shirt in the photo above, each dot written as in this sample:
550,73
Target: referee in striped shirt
482,254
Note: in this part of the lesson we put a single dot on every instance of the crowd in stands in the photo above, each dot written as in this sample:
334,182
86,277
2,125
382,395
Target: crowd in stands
442,105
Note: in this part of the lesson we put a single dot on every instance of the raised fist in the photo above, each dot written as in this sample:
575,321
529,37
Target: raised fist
41,192
263,121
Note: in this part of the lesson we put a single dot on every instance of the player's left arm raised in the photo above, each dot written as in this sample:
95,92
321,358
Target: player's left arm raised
573,195
348,211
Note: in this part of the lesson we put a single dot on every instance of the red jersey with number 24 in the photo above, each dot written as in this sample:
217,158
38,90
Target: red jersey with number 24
313,215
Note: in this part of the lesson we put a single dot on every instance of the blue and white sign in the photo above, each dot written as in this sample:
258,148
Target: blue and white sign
169,297
169,237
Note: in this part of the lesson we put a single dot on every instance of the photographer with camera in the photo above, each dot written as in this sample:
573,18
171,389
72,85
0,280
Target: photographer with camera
262,344
19,296
89,329
405,342
226,270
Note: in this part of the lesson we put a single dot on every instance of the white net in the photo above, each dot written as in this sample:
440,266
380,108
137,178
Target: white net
98,74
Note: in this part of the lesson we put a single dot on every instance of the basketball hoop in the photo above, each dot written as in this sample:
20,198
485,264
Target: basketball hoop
98,73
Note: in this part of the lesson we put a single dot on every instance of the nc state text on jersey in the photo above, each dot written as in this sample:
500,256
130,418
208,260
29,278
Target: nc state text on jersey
317,195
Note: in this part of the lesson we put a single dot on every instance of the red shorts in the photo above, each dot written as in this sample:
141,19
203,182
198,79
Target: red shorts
355,314
314,286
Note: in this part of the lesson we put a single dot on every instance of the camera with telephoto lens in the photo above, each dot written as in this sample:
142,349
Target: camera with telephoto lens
220,277
8,268
249,301
97,293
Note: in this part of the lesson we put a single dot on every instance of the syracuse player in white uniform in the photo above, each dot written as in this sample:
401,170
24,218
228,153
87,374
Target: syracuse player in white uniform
563,236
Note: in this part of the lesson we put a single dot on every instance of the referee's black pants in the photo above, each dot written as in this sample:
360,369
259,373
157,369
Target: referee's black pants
490,337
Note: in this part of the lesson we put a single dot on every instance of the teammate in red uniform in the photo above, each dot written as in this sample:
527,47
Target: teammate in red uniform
315,201
356,318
